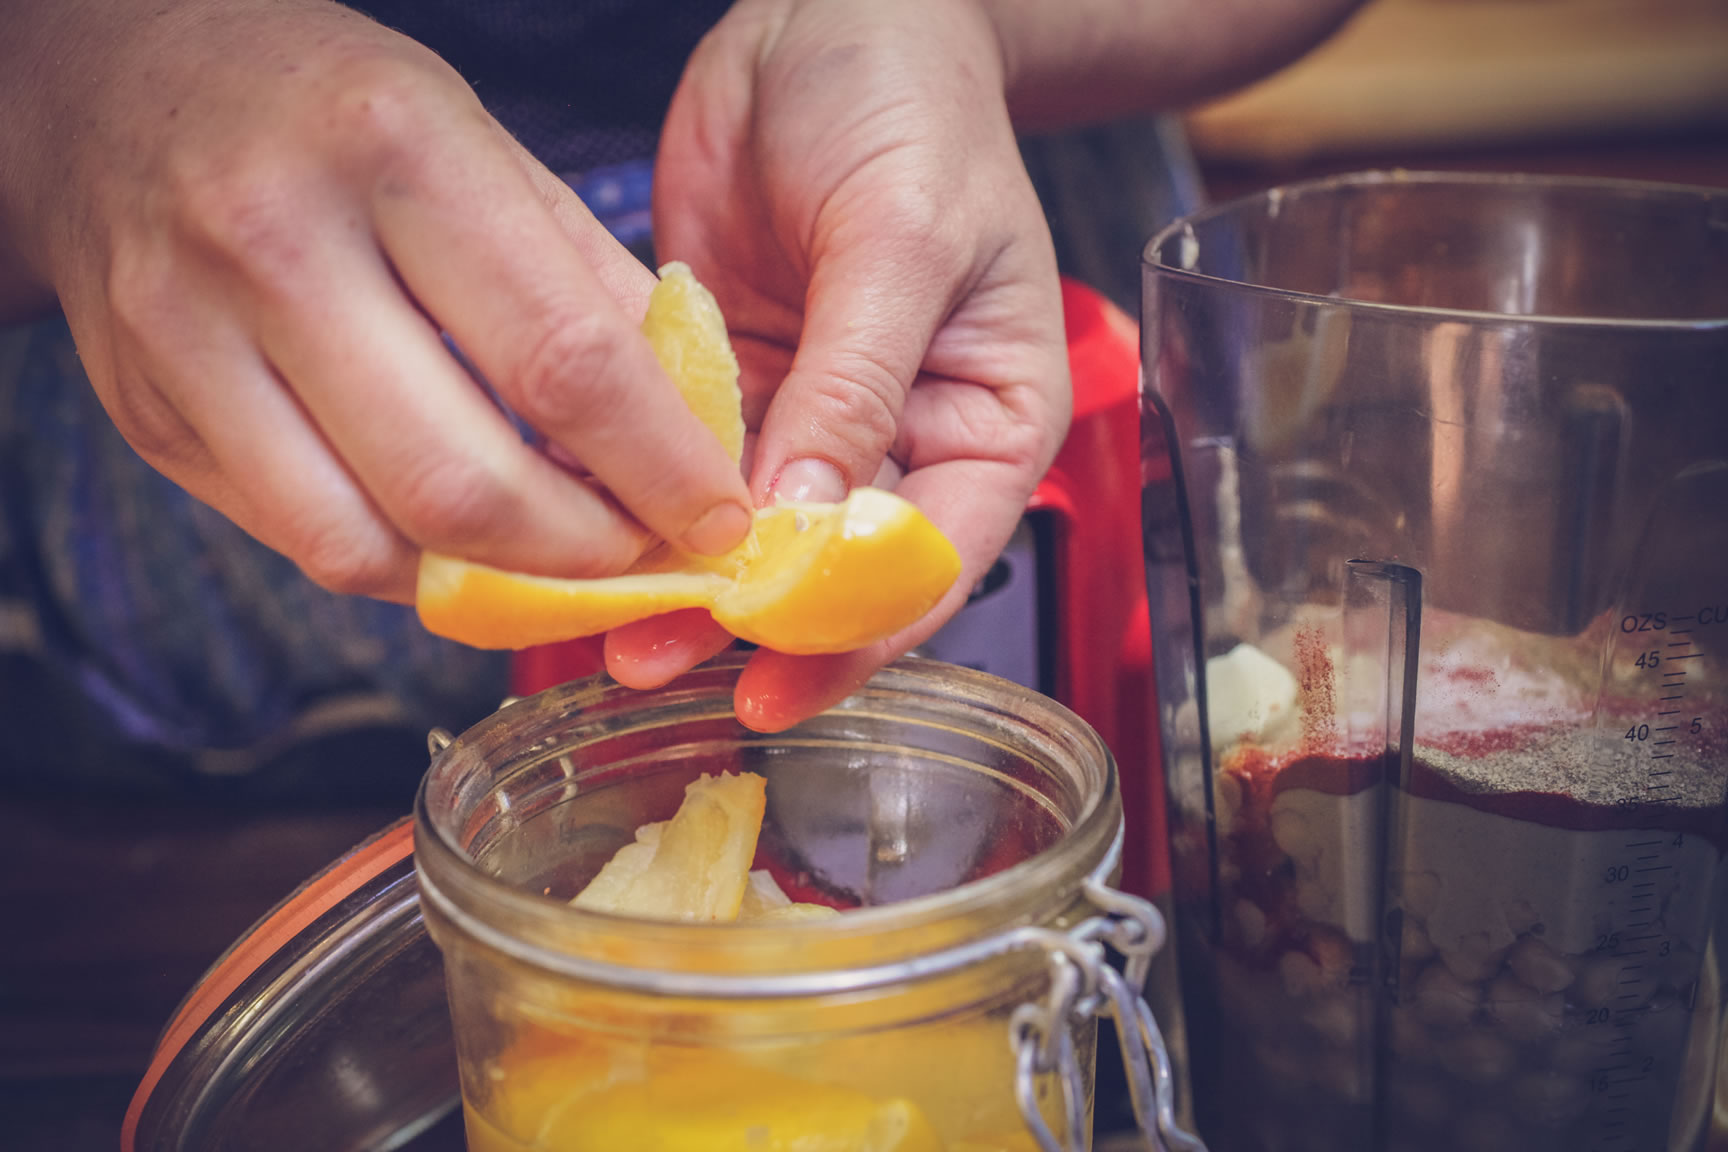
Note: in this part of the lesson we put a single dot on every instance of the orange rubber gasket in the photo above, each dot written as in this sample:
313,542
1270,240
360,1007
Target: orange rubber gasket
326,890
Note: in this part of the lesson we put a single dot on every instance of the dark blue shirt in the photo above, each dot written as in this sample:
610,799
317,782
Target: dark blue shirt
581,85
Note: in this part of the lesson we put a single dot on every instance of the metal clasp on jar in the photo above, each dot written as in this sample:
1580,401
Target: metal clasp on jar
1084,984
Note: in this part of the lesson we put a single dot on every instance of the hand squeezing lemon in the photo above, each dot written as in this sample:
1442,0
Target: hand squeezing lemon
809,578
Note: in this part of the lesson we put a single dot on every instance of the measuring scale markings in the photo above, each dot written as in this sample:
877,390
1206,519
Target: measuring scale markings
1635,1112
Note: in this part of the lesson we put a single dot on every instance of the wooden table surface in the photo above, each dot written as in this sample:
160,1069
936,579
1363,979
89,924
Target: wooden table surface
115,909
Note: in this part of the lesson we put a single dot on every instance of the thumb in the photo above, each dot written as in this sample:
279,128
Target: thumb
833,421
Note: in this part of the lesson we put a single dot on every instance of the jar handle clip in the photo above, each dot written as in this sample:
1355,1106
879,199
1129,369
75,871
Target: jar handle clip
1084,984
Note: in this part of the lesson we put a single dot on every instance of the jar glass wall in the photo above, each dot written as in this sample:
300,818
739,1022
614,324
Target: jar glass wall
962,822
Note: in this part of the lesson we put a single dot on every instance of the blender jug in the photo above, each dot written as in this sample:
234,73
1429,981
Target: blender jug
1436,542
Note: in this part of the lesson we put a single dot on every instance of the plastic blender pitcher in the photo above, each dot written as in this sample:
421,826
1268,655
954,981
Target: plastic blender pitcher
1438,578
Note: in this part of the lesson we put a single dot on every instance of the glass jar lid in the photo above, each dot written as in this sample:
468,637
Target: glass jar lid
324,1026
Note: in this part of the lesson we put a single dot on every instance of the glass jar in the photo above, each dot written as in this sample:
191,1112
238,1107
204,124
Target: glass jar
971,822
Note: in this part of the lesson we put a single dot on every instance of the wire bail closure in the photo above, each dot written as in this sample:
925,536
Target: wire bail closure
1083,985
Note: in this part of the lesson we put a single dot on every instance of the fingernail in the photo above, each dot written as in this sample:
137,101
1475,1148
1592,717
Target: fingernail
757,712
810,479
719,528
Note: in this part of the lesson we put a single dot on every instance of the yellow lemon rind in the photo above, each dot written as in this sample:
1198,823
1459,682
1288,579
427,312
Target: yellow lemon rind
842,600
487,607
809,580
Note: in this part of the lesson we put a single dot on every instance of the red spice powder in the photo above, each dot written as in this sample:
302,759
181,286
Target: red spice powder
1484,742
1317,683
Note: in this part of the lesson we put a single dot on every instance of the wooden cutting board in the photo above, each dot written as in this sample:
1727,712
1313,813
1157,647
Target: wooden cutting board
1412,74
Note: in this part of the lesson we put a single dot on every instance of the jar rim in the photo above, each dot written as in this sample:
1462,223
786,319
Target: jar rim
865,946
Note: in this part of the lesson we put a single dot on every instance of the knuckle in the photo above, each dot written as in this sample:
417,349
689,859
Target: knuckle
603,551
971,422
1030,423
246,216
346,559
143,302
149,422
380,93
155,431
673,493
1012,426
380,109
911,224
443,502
568,371
859,403
1020,446
929,230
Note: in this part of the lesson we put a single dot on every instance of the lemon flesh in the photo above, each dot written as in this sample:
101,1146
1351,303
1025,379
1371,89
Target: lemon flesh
834,577
695,866
688,335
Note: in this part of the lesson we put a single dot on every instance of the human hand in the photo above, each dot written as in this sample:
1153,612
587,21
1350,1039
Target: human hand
845,179
262,220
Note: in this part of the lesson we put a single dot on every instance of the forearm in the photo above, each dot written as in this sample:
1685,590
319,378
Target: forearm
1080,60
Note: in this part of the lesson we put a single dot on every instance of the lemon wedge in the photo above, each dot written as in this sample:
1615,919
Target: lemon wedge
695,866
810,578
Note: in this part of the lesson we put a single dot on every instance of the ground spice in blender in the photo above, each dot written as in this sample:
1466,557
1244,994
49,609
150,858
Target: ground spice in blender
1507,998
1317,689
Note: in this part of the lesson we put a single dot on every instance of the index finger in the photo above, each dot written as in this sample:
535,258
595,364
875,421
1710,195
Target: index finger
478,247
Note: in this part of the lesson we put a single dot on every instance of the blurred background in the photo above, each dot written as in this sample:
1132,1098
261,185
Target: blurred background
117,901
1634,88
